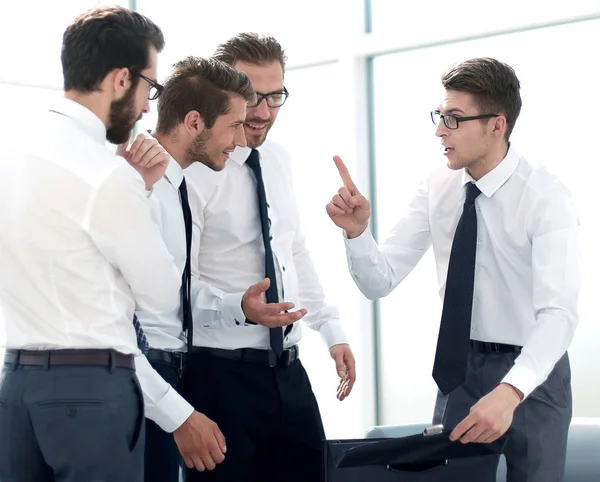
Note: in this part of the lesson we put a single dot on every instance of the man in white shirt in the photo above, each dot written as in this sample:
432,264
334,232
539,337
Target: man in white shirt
78,250
246,228
201,112
504,234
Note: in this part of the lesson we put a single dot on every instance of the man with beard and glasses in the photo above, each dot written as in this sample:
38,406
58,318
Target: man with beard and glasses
504,233
78,251
201,112
247,244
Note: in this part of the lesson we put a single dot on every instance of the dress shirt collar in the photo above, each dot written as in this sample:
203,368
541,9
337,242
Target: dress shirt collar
240,155
90,122
174,173
494,179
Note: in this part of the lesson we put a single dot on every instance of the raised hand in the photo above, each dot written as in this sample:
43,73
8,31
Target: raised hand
349,209
147,157
268,314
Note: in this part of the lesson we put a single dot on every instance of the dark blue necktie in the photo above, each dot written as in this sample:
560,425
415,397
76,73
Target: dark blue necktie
142,342
186,279
450,365
253,162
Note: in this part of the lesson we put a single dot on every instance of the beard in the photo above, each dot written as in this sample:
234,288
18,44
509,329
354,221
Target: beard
122,118
197,152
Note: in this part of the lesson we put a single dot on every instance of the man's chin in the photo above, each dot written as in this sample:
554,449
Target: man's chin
255,140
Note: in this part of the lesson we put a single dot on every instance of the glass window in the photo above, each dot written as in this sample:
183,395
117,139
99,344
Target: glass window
196,28
439,19
313,131
557,126
32,37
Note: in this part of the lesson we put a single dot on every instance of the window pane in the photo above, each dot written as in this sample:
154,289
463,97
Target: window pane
32,39
196,28
557,126
440,19
310,131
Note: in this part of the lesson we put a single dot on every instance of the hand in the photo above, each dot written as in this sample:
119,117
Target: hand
349,209
344,364
490,417
148,158
200,442
268,314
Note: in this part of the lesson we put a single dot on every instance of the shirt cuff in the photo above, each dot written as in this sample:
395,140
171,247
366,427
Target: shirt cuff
361,244
522,378
332,332
231,309
170,412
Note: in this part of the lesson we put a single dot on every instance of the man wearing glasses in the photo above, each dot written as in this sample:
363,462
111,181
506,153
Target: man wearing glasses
247,230
78,250
504,233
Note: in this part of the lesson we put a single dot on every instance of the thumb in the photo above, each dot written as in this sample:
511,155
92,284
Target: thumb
220,439
340,366
122,150
259,288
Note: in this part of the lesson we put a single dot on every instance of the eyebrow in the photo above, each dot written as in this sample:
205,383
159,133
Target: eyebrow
455,110
279,91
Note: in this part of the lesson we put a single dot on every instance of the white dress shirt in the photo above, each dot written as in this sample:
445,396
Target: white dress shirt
228,252
527,271
164,330
78,248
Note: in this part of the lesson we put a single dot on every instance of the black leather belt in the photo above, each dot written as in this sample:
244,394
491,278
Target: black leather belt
108,358
173,358
252,355
486,347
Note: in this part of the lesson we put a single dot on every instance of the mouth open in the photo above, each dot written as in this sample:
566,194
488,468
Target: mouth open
257,127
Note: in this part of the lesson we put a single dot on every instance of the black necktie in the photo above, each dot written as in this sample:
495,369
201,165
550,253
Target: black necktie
142,341
186,279
275,334
450,365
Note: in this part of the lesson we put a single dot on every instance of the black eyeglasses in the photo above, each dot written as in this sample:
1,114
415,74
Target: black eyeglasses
452,121
274,99
155,88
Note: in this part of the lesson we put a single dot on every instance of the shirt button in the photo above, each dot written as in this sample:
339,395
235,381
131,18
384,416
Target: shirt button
283,267
479,241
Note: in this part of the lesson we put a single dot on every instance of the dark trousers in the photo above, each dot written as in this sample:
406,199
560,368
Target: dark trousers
268,415
536,450
162,459
70,424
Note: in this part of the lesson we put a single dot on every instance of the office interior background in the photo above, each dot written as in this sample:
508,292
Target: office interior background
363,76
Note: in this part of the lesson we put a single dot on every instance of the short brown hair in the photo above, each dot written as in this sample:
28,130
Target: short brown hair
203,85
251,48
494,86
103,39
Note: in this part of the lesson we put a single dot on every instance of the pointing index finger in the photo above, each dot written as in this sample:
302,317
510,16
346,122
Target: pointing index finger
345,175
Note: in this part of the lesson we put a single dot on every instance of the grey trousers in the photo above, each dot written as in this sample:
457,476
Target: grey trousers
536,450
70,424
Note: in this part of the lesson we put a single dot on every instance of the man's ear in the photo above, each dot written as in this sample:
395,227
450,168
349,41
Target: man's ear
120,81
194,123
499,125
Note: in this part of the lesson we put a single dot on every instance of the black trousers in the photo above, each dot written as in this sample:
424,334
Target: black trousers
268,415
162,459
70,424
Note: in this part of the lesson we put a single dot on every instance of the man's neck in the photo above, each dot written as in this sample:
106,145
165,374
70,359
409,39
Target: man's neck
175,149
489,163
